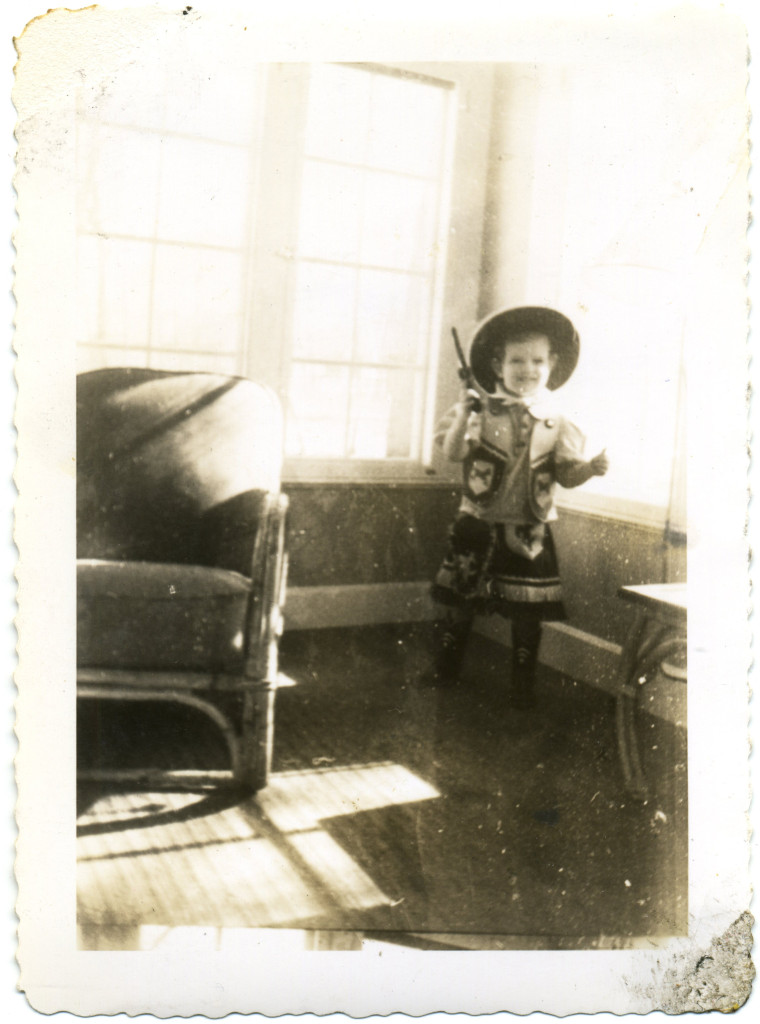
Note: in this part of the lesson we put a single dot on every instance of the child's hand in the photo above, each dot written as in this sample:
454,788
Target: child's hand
469,401
600,463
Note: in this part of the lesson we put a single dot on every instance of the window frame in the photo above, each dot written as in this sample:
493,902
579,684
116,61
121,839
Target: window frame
274,263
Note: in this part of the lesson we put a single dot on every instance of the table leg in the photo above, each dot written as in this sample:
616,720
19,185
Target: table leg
642,655
625,708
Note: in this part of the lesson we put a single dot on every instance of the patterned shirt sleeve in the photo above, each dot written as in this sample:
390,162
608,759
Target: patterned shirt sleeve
570,466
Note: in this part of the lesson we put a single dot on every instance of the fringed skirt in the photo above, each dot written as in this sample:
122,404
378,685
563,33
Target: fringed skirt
500,568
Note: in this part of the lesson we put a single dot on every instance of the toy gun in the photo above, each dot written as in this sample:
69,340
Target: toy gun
465,373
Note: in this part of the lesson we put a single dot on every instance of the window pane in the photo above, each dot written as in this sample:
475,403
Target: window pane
316,414
370,197
646,354
93,357
197,299
398,222
407,124
329,216
126,269
203,193
382,413
135,94
117,175
207,362
393,316
324,311
87,358
338,113
214,101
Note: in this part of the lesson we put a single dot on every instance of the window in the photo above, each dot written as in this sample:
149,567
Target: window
371,227
164,206
300,239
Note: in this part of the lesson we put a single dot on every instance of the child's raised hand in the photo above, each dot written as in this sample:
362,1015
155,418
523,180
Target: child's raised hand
469,400
600,463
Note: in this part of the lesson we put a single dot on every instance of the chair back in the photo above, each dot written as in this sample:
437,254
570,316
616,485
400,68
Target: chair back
174,467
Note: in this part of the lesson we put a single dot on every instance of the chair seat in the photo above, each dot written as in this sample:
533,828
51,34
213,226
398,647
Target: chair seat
160,616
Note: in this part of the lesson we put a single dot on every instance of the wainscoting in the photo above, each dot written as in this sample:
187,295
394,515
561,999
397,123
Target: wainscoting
350,535
364,555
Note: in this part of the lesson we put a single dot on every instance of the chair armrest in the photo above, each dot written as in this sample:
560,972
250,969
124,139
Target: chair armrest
268,581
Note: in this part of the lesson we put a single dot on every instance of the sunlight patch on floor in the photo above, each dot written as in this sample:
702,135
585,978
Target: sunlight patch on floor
300,799
146,860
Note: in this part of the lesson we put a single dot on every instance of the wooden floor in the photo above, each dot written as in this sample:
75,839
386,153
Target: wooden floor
395,813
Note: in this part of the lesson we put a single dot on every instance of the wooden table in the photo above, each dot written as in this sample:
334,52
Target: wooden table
657,634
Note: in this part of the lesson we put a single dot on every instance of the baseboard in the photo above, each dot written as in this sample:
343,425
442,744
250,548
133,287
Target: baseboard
596,662
568,650
564,648
573,652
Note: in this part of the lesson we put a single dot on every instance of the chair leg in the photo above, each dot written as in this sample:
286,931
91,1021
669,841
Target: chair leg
254,757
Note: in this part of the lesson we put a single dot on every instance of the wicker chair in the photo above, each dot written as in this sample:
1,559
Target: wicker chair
180,551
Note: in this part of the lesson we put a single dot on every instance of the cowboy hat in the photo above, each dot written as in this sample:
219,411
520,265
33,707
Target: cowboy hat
510,323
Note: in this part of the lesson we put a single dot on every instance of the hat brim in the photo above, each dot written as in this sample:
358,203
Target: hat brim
507,323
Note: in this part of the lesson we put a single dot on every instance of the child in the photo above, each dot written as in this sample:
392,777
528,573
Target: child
500,555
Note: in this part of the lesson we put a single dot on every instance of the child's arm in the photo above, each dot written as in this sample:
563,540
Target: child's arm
575,473
451,434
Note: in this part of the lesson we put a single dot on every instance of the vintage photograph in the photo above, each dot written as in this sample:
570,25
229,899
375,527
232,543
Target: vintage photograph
390,385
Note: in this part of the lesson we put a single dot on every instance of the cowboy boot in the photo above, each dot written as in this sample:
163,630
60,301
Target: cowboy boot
450,639
526,638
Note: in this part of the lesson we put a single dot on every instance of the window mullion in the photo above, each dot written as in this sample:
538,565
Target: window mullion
273,231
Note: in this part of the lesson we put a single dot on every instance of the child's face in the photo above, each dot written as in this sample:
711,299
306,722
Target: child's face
526,365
